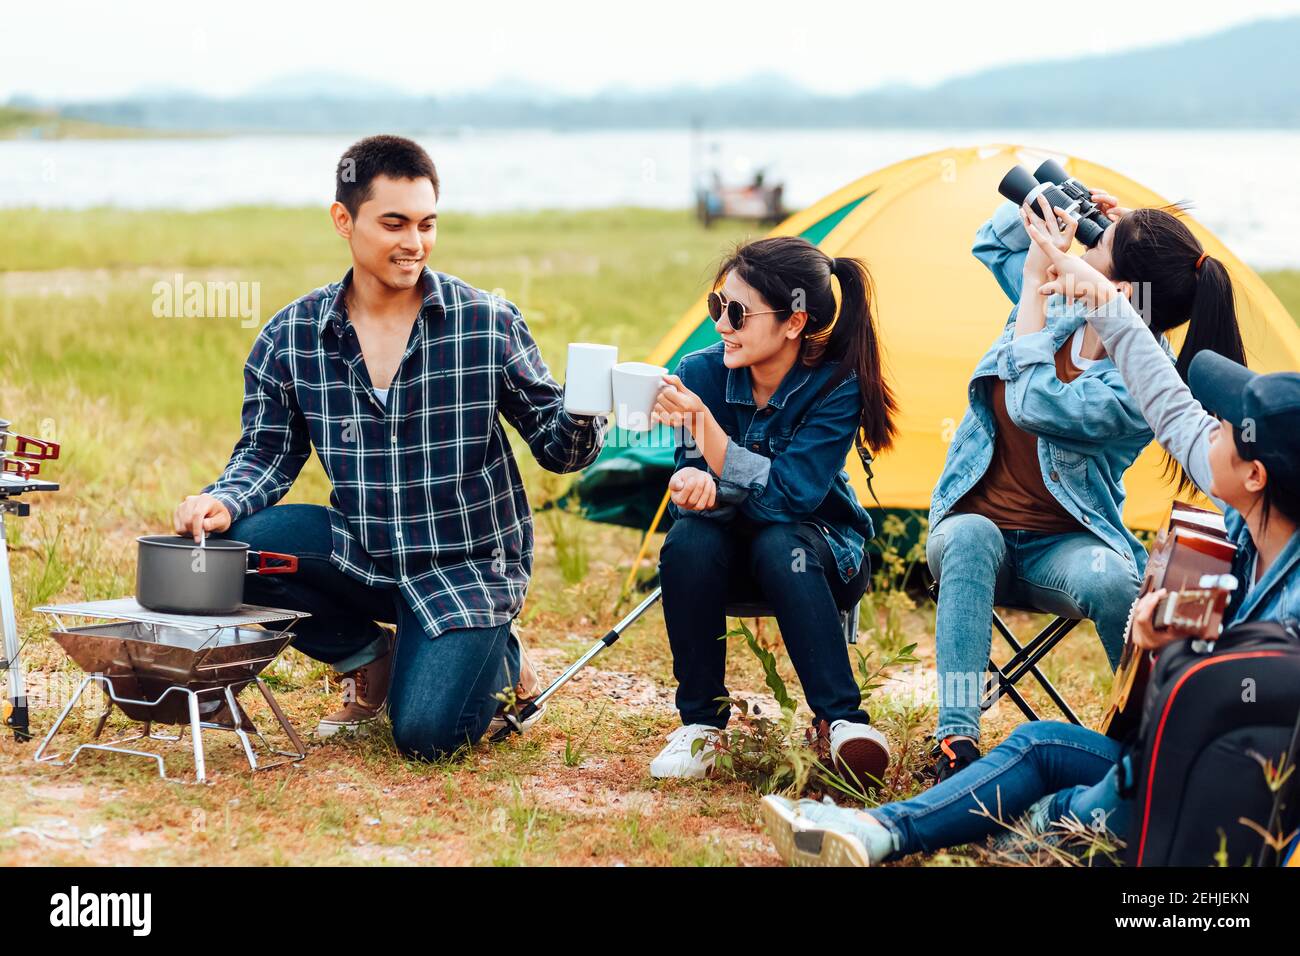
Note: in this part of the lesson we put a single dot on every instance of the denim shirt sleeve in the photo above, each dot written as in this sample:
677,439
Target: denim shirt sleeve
1001,244
687,455
790,486
1092,409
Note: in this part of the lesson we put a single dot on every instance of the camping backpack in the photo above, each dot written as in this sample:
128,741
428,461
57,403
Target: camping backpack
1211,720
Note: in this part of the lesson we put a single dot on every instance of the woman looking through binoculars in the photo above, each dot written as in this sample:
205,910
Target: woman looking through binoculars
1028,508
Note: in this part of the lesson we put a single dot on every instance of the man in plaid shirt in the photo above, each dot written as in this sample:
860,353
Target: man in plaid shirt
398,377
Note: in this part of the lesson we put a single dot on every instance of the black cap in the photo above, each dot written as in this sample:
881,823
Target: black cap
1264,411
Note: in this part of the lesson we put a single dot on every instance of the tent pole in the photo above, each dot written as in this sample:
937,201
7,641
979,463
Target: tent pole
645,544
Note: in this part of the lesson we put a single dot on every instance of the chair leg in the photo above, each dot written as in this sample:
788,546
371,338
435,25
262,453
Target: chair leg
1025,660
997,686
1036,650
849,620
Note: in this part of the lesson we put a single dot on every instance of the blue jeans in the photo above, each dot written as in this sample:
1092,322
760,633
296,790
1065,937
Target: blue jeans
706,563
1077,765
441,696
978,565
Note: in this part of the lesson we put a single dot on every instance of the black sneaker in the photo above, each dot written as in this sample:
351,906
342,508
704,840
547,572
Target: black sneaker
954,753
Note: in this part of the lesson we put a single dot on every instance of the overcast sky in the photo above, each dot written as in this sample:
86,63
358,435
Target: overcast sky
65,50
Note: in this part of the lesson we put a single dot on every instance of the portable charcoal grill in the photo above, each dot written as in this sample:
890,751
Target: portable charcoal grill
173,669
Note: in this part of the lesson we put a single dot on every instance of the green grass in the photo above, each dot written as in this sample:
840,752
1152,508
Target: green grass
18,123
76,309
1285,283
147,410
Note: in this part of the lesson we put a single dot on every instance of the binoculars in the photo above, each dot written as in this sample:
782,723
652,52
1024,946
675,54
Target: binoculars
1062,191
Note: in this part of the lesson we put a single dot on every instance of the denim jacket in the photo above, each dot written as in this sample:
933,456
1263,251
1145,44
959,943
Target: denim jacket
1089,430
785,463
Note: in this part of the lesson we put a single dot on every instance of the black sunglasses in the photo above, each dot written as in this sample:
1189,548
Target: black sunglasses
736,311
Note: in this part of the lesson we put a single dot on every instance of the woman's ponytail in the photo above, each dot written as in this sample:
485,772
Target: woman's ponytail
853,339
1212,322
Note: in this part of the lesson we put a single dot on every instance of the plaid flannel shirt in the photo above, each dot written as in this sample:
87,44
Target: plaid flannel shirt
426,493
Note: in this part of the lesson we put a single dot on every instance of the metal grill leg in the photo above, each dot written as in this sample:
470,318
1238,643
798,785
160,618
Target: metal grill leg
63,715
196,731
284,722
237,726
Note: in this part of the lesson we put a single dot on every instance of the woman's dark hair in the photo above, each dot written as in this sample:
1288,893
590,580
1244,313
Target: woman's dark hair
1174,282
1285,500
793,276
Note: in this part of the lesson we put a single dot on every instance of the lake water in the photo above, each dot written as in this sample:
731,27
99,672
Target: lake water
1231,176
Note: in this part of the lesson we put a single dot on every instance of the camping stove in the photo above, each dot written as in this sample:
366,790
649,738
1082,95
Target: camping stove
174,669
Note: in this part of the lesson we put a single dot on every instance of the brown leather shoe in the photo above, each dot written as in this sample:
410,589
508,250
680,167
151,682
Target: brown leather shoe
530,682
365,691
528,687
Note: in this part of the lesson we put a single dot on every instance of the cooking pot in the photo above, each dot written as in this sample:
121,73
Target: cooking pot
175,575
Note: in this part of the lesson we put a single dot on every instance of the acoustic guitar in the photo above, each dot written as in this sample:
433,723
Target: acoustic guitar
1191,559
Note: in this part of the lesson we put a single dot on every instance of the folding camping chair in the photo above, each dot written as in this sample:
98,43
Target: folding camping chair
849,616
1024,660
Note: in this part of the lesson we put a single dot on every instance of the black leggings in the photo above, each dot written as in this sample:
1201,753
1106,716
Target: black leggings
705,564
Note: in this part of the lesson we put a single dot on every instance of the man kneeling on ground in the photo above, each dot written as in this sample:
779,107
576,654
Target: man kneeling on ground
398,377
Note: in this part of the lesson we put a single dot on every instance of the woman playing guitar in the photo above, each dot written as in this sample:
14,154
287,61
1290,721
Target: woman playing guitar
1235,433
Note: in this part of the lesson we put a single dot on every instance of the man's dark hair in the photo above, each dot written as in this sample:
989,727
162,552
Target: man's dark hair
393,156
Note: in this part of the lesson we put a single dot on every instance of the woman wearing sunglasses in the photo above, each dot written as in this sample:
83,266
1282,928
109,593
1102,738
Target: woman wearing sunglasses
761,502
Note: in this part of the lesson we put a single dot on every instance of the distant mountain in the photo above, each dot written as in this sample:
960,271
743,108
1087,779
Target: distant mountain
310,84
1241,77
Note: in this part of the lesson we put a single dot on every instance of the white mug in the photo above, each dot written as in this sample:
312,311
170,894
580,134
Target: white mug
636,386
588,386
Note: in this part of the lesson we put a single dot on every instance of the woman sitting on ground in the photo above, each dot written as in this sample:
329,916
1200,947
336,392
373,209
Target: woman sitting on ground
1234,433
761,502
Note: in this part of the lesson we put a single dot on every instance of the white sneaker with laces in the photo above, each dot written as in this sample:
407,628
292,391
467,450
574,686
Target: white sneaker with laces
860,753
809,833
676,759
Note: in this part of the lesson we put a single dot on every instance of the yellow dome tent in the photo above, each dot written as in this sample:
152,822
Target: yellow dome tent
938,311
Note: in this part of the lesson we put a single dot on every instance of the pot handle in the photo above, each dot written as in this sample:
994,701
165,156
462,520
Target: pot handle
263,567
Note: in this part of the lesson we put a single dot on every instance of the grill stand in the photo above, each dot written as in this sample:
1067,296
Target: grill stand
196,727
241,724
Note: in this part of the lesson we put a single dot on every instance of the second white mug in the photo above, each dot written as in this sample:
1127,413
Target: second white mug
636,386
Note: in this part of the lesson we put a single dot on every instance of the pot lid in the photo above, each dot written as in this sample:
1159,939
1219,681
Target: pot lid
187,543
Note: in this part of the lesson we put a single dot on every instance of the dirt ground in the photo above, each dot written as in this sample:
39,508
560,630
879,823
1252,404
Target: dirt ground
575,790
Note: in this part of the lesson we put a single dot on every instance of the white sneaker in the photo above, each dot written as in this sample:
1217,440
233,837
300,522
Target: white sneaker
676,759
813,834
860,753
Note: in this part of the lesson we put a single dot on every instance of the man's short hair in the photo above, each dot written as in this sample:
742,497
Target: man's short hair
393,156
